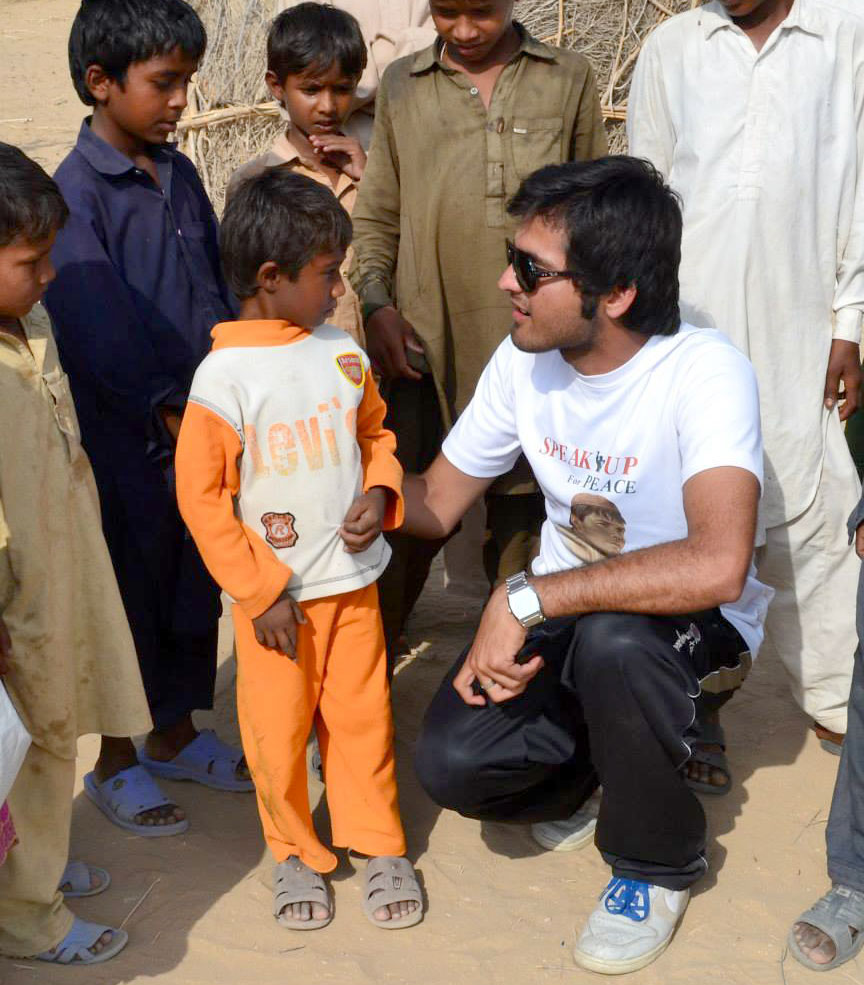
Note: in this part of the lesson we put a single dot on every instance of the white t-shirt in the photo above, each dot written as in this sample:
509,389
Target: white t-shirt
612,452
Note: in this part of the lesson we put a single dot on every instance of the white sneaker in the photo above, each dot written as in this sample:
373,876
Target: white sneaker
630,927
573,832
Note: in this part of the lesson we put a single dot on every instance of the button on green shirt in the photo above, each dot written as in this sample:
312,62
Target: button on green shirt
430,222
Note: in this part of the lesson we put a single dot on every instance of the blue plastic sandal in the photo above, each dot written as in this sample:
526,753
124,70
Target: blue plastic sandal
124,796
207,760
75,946
78,876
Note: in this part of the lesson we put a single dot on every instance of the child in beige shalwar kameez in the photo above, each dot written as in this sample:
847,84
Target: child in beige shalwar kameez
72,668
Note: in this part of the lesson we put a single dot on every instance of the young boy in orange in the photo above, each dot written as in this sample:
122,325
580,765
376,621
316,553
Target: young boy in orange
285,478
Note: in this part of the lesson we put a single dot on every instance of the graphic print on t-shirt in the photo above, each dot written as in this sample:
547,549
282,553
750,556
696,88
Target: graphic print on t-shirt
597,528
280,529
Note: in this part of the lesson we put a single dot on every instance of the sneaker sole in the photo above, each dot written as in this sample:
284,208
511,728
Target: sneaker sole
604,966
569,844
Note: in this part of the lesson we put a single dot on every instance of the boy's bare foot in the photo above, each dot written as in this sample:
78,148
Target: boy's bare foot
302,899
392,882
116,755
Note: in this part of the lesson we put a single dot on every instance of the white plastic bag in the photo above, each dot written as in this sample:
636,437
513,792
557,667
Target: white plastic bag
14,743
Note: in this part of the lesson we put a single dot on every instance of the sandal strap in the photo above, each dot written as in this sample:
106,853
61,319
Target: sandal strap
390,879
132,792
838,910
297,883
209,754
75,946
77,875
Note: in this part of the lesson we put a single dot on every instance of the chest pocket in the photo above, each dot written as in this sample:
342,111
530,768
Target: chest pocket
57,383
536,141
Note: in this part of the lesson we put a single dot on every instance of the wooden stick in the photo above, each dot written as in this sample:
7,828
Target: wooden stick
228,114
560,36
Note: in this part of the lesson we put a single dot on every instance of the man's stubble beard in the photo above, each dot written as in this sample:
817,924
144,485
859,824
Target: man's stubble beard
570,344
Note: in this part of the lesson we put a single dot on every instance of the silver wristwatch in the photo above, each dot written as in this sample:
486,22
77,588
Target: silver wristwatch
524,602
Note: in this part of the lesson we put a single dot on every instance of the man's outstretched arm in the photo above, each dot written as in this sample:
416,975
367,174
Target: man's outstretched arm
438,499
705,569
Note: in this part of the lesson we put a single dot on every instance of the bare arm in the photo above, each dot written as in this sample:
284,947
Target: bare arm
438,499
707,568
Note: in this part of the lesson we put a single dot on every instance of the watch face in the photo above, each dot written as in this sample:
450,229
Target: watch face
524,604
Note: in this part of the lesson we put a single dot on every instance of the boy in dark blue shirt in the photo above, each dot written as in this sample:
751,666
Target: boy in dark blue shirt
138,289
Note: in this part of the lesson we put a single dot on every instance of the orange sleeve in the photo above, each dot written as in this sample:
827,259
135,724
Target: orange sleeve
208,479
378,453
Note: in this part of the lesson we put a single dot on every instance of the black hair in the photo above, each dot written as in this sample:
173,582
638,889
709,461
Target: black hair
280,216
115,34
622,224
315,36
31,206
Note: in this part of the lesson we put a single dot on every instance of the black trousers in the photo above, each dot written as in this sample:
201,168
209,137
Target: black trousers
613,704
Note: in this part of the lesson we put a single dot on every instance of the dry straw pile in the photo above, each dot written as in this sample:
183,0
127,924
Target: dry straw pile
231,118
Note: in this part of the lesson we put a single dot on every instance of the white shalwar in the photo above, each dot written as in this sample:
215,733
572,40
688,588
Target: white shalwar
765,149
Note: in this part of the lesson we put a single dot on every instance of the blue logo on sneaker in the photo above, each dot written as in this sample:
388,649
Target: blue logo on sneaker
628,898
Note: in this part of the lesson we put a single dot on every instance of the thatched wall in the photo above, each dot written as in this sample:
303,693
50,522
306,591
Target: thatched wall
231,119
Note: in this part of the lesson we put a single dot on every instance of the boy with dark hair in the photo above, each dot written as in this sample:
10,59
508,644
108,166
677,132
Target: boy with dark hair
66,655
488,104
286,477
315,57
138,288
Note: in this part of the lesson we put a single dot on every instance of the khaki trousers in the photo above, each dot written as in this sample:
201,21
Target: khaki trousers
33,916
810,565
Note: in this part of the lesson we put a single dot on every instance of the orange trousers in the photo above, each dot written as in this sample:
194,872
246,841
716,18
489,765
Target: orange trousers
338,683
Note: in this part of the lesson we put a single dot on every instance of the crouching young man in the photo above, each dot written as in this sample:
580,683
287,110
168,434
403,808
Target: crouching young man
585,673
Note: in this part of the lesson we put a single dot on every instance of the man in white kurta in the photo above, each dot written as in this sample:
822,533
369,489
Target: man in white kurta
764,144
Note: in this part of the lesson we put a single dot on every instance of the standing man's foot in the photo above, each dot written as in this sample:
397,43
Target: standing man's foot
707,770
183,753
831,932
630,927
830,741
130,791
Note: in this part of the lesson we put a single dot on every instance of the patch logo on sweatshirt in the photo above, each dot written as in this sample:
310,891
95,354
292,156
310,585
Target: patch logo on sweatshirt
280,529
351,368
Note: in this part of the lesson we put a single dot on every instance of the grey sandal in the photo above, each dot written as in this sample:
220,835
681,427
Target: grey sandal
392,879
295,882
709,733
837,915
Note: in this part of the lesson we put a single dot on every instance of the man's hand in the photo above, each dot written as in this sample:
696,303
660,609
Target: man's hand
339,151
491,661
388,336
5,648
843,366
362,523
859,542
277,627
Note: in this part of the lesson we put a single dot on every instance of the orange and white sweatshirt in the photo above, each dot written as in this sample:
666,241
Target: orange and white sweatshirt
282,431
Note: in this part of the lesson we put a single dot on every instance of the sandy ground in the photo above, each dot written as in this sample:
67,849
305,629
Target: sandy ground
198,907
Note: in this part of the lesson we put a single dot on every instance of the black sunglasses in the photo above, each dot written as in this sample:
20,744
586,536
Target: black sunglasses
526,270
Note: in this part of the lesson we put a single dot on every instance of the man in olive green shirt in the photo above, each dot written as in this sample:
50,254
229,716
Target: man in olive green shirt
458,126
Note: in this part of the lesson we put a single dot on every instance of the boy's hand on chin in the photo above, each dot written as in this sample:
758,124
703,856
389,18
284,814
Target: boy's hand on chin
339,151
277,627
362,523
